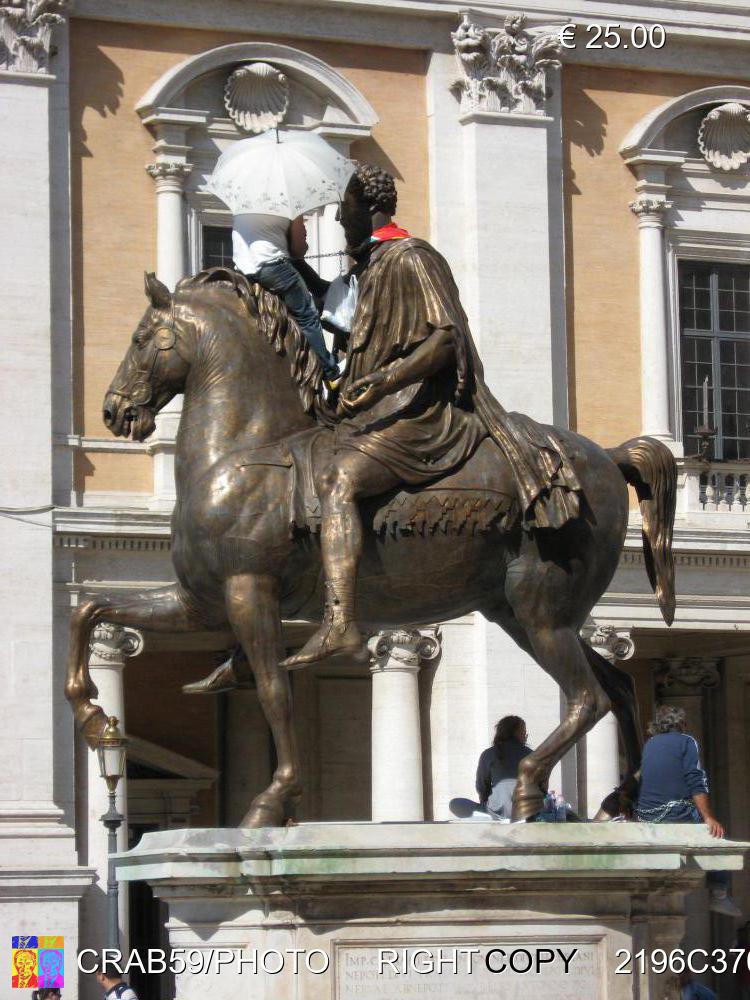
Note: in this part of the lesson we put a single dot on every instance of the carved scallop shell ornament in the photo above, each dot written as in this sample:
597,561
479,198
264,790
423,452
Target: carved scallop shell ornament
257,97
724,136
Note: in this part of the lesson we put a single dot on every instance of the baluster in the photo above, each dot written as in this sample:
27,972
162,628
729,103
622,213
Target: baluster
702,483
724,493
744,494
710,503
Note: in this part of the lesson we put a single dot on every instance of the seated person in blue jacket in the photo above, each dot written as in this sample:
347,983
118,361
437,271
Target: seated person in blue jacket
674,789
497,771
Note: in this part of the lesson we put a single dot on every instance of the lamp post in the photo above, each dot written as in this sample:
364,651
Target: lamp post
111,751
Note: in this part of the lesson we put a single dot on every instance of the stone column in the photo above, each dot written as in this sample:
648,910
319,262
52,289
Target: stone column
602,743
171,252
42,880
396,730
111,646
655,368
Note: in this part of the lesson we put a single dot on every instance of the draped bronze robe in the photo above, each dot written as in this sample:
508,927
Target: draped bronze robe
428,429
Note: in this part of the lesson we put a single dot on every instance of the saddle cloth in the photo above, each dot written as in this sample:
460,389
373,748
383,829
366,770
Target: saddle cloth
468,500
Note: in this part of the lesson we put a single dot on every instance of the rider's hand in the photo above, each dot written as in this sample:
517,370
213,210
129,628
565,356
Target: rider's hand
365,392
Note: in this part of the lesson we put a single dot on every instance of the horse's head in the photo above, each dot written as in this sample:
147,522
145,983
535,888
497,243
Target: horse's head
153,370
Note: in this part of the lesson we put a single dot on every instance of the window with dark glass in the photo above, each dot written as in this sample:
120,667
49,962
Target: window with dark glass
715,332
217,246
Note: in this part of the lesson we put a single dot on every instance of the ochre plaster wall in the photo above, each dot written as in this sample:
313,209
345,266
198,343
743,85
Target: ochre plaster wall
114,206
600,107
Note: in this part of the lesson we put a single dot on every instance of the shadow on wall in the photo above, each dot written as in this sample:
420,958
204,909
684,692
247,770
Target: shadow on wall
105,99
587,126
370,151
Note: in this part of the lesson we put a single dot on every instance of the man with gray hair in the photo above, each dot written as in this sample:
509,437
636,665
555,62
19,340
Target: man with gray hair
674,789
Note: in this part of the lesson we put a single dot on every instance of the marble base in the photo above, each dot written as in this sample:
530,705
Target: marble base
382,903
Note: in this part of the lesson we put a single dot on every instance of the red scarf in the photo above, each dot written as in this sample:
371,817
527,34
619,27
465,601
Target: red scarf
390,232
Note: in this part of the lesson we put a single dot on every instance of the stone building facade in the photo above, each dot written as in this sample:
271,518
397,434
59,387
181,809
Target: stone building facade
596,218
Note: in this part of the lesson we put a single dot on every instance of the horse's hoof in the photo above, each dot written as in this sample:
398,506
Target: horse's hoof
263,814
527,802
93,727
219,681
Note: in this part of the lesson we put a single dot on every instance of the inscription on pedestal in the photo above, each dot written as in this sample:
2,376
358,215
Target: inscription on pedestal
515,970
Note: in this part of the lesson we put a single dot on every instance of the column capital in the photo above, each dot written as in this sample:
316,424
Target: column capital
26,28
113,644
687,675
404,648
170,175
610,642
649,210
505,69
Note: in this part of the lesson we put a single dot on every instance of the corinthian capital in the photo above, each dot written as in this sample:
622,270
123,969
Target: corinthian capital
26,28
404,647
646,206
169,173
504,70
114,643
609,642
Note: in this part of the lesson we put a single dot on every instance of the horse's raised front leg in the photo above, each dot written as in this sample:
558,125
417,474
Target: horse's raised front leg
254,614
162,609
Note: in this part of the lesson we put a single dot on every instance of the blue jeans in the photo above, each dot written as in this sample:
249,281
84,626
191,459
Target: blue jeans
685,812
281,277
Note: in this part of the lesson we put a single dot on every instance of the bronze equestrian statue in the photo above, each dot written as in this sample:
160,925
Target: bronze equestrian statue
522,522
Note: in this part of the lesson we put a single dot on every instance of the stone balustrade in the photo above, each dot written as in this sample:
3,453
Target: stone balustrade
714,488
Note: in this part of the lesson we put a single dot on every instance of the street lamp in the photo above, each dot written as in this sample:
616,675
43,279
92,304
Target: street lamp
111,751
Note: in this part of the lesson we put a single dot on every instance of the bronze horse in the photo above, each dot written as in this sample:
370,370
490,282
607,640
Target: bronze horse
250,382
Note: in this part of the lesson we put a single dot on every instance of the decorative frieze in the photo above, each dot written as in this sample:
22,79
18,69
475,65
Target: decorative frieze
256,97
505,70
686,675
724,136
26,29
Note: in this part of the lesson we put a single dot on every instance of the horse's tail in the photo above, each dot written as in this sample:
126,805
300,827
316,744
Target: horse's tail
649,466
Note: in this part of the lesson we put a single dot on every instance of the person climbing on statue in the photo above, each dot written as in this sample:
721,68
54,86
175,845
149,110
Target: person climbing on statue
413,404
263,247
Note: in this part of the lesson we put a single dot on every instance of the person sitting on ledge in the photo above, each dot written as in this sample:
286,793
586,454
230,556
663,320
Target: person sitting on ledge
497,772
674,789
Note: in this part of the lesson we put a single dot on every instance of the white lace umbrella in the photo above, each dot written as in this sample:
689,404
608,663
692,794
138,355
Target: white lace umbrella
280,173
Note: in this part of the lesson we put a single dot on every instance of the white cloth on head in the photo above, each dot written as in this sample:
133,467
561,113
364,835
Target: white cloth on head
258,240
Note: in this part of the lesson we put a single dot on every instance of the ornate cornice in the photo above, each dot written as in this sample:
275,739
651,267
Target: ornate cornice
26,28
504,71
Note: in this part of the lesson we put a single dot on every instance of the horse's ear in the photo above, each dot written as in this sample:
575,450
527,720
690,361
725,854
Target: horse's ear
157,291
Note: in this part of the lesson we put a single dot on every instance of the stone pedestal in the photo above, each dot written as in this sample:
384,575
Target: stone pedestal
366,910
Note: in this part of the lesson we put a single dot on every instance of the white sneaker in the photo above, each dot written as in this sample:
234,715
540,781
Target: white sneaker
721,902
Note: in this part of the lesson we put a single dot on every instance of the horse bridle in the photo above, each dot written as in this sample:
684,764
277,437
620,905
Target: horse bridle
138,389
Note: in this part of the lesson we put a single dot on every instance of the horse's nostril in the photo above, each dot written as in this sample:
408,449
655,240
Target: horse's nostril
108,418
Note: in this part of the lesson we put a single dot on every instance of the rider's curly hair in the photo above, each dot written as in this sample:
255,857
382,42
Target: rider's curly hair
378,187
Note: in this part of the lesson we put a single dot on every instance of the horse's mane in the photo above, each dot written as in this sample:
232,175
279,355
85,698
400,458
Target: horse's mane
274,321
